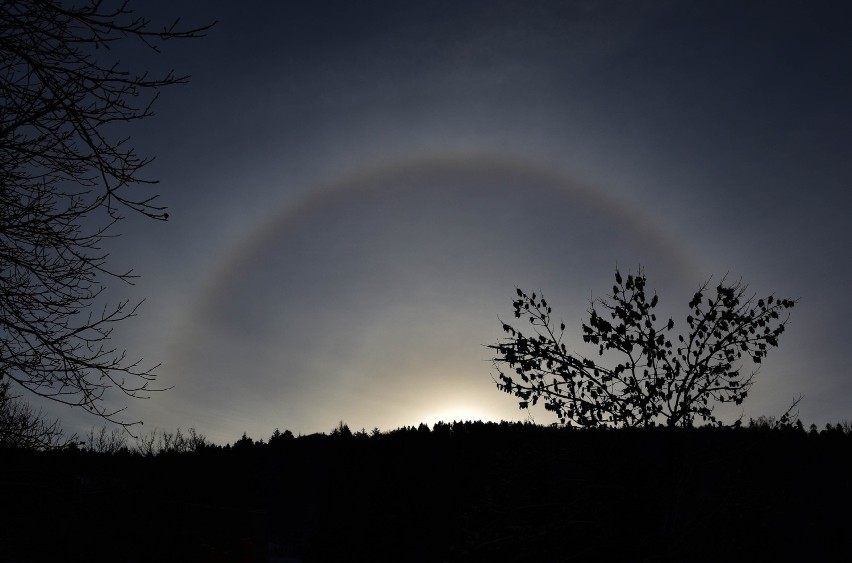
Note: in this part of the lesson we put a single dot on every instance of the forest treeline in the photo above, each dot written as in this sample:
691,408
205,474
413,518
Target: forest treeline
465,491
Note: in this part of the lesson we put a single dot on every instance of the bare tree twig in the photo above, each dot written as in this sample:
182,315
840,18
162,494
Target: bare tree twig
64,180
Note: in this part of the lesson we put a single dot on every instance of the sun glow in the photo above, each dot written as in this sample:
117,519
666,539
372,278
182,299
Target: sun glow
459,412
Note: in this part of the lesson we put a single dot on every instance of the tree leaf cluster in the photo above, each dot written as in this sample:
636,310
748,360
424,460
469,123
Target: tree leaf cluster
645,372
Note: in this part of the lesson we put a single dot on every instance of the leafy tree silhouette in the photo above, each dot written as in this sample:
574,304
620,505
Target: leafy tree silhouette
244,443
279,438
341,430
656,379
66,170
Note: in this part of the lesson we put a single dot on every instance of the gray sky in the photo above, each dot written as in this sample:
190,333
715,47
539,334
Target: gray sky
356,189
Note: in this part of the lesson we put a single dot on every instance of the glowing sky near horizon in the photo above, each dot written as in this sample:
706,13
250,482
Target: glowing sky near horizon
356,189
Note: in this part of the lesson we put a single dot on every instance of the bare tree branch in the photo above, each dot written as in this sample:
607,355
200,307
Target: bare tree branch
64,179
23,427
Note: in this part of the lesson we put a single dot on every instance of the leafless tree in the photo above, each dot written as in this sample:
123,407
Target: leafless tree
153,443
655,380
23,427
160,442
105,441
67,173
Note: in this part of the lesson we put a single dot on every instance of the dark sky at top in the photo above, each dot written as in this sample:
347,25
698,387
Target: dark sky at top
356,189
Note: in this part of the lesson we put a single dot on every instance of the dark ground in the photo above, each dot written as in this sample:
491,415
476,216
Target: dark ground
463,492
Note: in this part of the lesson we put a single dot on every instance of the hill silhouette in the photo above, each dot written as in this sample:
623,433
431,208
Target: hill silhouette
457,492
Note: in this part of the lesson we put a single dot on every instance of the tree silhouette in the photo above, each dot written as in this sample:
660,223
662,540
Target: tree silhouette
22,426
655,380
65,178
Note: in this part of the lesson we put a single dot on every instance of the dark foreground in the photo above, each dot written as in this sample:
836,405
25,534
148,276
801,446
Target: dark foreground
466,492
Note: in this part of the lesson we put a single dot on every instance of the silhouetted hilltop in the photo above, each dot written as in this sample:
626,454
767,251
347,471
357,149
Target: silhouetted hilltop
458,492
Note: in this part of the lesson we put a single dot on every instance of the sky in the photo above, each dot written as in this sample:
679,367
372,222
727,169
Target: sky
356,189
